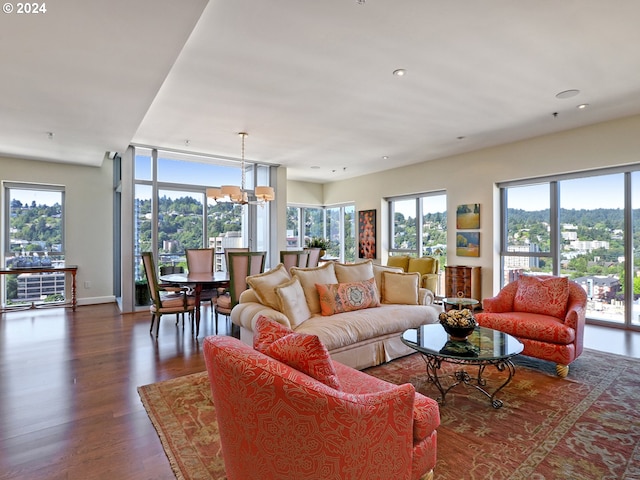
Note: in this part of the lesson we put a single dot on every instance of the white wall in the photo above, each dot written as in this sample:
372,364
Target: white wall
88,218
472,178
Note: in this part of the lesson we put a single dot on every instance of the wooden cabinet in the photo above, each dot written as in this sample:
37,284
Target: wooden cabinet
463,281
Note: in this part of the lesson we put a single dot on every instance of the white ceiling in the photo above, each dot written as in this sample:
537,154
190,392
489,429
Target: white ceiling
310,81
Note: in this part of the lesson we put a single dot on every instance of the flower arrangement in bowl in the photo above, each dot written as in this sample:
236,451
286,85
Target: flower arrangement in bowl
459,324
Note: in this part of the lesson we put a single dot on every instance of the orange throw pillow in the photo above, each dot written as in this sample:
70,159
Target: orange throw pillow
545,296
307,354
346,297
267,331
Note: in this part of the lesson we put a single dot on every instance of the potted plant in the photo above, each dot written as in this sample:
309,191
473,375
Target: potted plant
143,296
318,242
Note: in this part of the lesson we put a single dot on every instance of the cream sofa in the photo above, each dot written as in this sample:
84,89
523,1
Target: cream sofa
358,311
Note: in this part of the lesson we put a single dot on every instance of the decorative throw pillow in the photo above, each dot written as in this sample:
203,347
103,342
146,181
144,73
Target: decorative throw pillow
264,284
307,354
354,272
545,296
292,301
400,288
346,297
309,277
266,331
377,274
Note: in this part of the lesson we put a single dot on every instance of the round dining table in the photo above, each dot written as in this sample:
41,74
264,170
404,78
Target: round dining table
197,281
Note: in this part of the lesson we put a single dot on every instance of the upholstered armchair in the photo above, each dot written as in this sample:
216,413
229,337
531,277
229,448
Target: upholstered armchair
276,422
427,267
546,313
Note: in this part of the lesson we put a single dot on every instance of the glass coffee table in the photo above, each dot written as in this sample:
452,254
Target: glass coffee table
484,347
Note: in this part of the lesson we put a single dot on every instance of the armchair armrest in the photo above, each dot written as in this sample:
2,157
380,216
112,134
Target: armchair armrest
430,281
503,301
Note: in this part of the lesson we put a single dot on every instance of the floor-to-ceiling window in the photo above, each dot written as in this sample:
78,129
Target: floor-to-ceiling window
33,237
583,226
172,212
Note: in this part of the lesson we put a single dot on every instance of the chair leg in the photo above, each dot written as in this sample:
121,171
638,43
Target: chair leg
562,370
158,326
153,319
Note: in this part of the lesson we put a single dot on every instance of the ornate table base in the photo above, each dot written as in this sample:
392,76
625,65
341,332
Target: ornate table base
434,363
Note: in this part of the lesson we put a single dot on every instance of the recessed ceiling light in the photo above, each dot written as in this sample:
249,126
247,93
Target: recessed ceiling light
50,135
582,106
400,72
461,137
385,157
567,94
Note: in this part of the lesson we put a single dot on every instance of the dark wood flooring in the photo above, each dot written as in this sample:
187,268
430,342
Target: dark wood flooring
69,408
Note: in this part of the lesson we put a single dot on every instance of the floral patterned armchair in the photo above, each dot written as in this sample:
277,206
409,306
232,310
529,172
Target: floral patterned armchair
546,313
277,422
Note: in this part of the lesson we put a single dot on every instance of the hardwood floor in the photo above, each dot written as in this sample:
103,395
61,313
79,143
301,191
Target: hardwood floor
69,408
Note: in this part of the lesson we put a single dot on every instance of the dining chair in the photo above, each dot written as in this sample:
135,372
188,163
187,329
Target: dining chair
314,256
165,298
294,258
200,260
241,265
232,249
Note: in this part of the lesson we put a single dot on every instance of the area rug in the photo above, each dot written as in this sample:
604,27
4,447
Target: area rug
584,427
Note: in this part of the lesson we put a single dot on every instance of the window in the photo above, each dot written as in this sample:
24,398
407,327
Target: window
583,227
34,237
335,223
418,226
172,213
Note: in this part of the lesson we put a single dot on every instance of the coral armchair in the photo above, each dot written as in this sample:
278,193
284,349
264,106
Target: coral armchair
276,422
546,313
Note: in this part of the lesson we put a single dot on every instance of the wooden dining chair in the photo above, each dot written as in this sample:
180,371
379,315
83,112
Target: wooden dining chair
314,256
200,260
241,265
294,258
232,249
165,298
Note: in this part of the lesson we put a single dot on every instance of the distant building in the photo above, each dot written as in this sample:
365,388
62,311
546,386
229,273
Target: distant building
522,263
599,287
228,240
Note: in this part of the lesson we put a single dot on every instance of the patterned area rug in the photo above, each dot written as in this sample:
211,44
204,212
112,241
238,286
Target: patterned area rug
584,427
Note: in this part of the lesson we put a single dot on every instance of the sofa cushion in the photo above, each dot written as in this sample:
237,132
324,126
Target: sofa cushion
546,296
264,284
401,261
307,354
309,277
267,331
354,272
347,297
292,301
535,326
343,330
400,288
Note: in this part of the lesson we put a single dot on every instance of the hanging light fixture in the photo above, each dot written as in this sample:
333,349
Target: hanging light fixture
238,194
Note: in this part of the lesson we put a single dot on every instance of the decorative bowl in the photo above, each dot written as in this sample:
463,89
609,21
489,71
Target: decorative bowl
458,333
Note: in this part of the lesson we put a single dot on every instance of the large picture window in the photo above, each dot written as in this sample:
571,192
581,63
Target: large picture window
583,227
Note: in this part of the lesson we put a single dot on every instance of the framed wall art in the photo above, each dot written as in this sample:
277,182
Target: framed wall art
468,244
367,234
468,216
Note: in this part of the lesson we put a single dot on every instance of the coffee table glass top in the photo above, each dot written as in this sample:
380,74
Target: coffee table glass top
461,302
483,344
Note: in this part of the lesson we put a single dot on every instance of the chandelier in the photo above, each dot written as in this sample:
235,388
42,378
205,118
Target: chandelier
238,194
